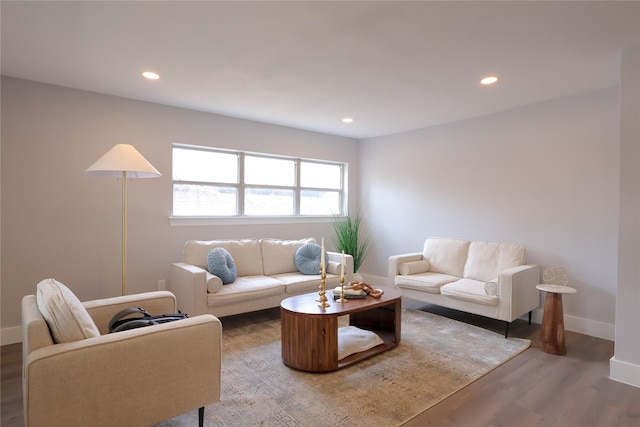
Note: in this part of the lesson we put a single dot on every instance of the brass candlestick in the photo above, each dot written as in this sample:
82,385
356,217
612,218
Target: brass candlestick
342,299
322,299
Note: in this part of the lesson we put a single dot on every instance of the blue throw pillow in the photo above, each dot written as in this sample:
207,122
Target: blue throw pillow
307,258
220,263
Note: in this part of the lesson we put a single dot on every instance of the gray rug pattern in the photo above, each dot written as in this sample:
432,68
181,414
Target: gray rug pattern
436,357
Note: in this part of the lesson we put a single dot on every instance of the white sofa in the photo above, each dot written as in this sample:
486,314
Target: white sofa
266,274
486,278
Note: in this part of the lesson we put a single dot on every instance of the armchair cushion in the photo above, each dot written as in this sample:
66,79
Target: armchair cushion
65,315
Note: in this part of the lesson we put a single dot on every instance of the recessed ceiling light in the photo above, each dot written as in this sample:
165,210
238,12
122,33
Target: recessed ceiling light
489,80
151,75
347,120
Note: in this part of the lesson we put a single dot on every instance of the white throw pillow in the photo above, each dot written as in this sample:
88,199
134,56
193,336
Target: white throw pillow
414,267
491,288
354,340
67,318
333,267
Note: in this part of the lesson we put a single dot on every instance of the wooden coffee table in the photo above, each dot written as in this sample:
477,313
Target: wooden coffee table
310,333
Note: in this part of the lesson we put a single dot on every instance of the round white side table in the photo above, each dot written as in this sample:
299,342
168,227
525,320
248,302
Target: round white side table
552,329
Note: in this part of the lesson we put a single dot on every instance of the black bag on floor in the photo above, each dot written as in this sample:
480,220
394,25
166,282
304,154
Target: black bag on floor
117,323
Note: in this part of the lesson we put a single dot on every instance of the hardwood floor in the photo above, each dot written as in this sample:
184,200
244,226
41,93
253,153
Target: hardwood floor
532,389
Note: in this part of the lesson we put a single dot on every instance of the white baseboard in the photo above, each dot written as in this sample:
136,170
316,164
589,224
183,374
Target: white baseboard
624,372
580,325
11,335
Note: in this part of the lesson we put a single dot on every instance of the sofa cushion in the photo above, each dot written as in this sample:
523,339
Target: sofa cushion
446,256
246,254
246,288
487,259
220,262
65,315
414,267
278,256
427,282
307,258
469,290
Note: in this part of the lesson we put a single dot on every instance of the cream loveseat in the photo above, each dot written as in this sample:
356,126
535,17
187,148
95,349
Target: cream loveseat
486,278
77,374
266,274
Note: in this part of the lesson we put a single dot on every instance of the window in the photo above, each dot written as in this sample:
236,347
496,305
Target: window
210,182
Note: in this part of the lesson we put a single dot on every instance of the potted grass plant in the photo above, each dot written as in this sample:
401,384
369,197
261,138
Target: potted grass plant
349,236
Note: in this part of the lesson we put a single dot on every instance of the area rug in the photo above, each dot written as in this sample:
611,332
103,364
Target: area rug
436,357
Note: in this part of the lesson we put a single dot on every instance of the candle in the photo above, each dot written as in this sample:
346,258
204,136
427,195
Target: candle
342,269
322,257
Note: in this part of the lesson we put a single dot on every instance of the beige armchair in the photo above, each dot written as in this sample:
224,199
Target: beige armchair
138,377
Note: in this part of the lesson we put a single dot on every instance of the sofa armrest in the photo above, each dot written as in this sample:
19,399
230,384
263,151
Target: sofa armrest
394,264
348,264
102,310
189,285
135,377
518,285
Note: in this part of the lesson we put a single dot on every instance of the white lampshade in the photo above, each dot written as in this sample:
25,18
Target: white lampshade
123,158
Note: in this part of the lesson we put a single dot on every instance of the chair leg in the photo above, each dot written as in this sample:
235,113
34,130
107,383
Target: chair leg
506,331
201,416
530,318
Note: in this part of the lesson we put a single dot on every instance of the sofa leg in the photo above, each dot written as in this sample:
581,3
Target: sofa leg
201,416
506,331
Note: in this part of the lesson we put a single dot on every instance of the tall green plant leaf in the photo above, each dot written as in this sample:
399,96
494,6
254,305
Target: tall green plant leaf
348,236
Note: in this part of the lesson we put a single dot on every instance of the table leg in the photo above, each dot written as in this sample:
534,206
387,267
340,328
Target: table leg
552,329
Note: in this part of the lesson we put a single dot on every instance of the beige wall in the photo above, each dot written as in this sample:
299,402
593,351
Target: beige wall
59,222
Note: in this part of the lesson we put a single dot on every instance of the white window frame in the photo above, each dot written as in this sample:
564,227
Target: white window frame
240,186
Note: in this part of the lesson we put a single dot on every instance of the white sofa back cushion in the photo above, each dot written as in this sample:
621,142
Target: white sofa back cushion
246,254
487,259
67,318
278,256
447,256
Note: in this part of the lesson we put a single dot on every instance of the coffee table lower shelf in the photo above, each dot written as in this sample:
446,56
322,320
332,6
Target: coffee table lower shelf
310,333
388,344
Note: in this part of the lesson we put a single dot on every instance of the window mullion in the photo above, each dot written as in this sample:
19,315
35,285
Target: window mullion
241,185
297,196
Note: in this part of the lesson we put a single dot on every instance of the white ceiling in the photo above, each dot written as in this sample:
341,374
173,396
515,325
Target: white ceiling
393,66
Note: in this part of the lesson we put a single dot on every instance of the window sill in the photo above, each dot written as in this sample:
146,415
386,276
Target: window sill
178,221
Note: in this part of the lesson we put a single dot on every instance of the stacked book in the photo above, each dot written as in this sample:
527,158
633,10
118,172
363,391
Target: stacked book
349,293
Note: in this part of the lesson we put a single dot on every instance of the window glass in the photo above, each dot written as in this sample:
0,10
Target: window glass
204,166
320,175
268,201
269,171
204,200
314,202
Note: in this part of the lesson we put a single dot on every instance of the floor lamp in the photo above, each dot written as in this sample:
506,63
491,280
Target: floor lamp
123,161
